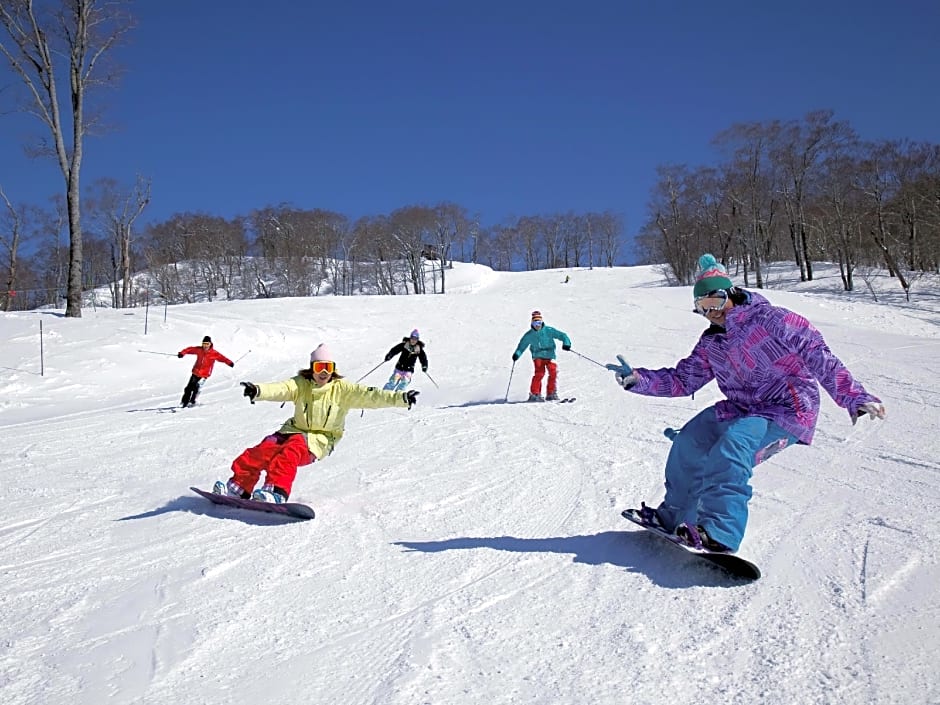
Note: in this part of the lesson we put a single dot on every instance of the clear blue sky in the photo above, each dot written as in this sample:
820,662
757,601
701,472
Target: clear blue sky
509,107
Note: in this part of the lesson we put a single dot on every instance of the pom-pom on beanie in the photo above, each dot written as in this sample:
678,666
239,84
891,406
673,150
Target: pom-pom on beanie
711,276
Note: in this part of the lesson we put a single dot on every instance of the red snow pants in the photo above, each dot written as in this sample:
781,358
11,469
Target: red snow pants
280,453
541,366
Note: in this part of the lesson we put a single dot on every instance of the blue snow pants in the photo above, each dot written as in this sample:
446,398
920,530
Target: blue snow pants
709,470
399,380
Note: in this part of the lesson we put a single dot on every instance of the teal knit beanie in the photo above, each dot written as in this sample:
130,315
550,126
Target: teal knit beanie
711,276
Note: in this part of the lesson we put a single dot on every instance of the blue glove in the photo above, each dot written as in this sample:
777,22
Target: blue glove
623,373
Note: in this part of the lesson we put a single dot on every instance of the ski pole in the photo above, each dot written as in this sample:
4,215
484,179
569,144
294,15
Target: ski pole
243,356
510,380
585,357
371,371
152,352
431,378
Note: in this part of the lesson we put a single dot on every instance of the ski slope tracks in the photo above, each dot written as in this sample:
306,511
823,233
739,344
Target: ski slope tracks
470,551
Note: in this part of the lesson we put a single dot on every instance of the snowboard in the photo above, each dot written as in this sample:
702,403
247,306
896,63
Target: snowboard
294,510
731,563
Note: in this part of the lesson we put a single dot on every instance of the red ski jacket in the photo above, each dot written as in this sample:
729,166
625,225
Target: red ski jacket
205,360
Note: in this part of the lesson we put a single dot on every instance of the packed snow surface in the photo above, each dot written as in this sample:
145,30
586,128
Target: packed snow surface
471,550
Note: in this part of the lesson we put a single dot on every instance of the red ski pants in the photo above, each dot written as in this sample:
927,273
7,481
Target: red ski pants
280,453
541,366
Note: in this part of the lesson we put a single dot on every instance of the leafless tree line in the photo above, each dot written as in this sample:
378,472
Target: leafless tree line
803,191
284,251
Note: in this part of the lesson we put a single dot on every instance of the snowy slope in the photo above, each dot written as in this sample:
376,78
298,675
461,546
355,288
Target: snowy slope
469,551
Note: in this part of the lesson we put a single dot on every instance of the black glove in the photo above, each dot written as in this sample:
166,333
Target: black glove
424,369
231,364
566,347
179,354
515,357
251,391
387,358
411,398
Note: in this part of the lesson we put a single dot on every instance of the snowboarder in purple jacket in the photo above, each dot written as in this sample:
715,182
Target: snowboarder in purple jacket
768,362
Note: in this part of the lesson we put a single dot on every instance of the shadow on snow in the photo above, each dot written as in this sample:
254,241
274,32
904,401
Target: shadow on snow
638,552
486,402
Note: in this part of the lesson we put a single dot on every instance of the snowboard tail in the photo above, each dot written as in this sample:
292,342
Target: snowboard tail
294,510
730,562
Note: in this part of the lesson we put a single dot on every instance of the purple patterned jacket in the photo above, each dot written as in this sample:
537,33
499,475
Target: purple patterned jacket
766,361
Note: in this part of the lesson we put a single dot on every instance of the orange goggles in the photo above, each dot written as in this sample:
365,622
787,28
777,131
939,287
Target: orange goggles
319,367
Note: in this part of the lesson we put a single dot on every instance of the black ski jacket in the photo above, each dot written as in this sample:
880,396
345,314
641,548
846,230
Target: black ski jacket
409,354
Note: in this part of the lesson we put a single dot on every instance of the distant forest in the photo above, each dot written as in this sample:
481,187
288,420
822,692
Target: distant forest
800,191
284,251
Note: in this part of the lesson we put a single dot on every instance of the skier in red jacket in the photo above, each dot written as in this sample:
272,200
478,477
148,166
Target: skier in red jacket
206,357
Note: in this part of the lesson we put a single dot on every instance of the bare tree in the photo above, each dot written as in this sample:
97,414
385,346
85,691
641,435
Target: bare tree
452,225
53,256
36,37
800,149
669,236
752,192
610,226
835,215
117,208
878,180
917,200
412,228
11,234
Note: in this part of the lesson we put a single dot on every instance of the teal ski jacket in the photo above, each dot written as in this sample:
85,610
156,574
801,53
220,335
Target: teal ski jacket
542,342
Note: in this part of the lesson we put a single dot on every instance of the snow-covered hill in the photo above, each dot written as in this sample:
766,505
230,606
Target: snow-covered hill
469,551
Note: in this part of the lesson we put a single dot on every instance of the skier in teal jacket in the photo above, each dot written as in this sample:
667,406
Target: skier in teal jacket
541,338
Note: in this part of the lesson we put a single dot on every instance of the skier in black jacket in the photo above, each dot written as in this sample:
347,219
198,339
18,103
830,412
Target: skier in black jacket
410,349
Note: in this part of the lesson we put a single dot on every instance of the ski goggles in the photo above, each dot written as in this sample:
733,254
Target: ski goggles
537,324
320,366
716,301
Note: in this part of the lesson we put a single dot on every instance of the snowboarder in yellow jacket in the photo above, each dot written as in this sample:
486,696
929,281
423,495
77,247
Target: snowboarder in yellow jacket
322,398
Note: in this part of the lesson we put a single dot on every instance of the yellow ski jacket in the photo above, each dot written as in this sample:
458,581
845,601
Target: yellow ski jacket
320,412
